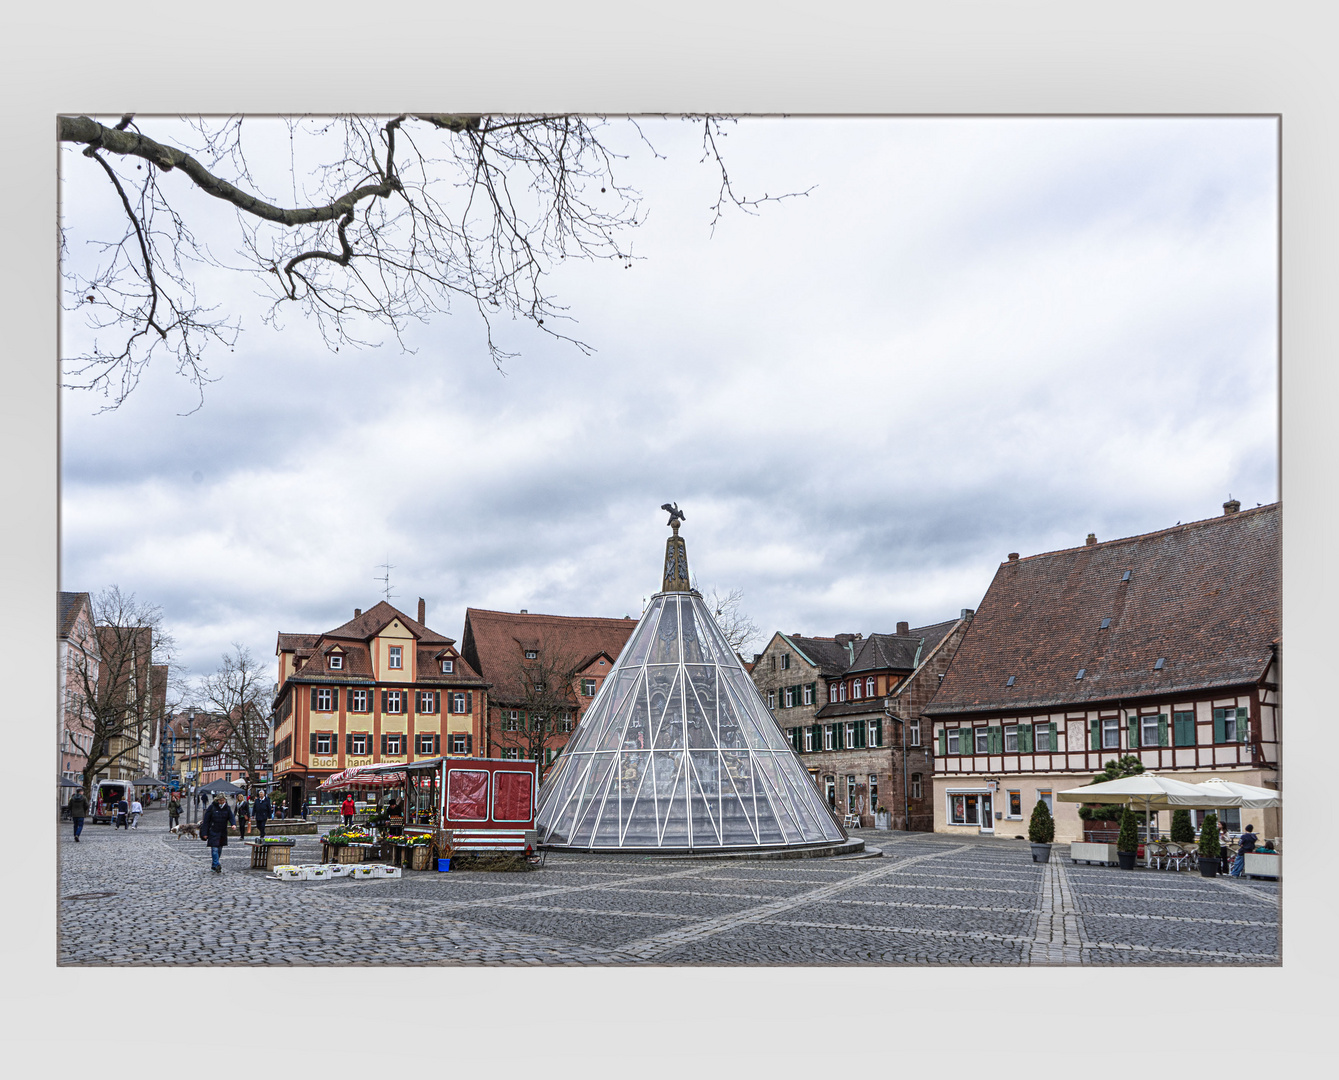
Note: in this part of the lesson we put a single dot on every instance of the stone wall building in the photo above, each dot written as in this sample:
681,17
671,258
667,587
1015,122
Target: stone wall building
850,706
1164,646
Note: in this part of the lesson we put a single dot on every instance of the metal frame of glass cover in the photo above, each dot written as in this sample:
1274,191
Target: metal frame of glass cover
679,753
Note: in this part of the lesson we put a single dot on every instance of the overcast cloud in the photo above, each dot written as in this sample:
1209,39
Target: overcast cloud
972,337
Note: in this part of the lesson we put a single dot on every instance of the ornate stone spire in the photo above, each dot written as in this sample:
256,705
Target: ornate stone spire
676,554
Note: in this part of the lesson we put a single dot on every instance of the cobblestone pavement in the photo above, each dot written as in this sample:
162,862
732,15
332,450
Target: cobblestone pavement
928,899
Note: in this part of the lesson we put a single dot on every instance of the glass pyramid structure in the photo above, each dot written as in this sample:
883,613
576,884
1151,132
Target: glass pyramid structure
678,752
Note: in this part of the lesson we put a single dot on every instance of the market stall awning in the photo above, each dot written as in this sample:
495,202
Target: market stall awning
148,781
1251,797
62,782
1148,791
364,776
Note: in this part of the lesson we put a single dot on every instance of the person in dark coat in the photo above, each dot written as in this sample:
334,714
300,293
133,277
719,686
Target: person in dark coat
243,816
78,811
122,815
214,828
173,813
263,811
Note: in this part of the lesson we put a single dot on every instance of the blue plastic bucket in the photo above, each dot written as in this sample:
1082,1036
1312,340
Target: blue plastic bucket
443,865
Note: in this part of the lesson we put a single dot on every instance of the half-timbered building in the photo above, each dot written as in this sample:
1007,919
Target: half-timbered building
382,687
1164,646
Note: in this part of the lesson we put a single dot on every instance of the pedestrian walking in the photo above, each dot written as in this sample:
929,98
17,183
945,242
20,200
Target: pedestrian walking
347,809
173,813
1246,846
263,810
78,811
214,829
122,810
243,816
135,810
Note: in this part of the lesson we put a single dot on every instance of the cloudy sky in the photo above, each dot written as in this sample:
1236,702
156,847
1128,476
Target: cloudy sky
971,337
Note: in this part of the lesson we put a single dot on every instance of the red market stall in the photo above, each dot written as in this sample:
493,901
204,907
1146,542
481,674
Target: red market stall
470,804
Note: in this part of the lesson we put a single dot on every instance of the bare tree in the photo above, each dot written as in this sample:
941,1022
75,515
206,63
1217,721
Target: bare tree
123,687
238,694
540,707
739,630
389,221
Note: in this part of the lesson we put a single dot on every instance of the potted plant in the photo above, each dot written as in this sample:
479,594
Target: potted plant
882,818
1183,832
1127,844
1210,848
1041,831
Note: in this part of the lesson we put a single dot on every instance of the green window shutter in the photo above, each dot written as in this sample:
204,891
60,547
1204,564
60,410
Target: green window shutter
313,704
1132,731
348,743
436,745
437,701
997,740
1095,727
861,734
1219,725
1025,738
1243,725
837,733
1185,728
1162,729
878,731
383,744
1054,744
313,742
383,701
469,701
469,745
334,698
943,743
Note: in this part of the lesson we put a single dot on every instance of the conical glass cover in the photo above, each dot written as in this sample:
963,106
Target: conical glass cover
679,752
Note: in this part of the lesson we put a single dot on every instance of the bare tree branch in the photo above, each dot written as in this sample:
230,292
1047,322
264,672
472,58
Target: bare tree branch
392,220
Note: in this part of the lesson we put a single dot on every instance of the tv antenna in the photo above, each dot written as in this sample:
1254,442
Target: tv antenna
385,578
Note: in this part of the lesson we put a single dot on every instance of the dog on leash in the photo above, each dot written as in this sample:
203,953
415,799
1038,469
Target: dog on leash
188,829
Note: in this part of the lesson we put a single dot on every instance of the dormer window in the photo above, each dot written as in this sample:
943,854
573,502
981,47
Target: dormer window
336,662
532,654
396,657
448,666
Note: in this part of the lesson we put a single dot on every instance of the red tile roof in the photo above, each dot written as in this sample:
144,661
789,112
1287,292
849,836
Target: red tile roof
1204,596
353,639
494,643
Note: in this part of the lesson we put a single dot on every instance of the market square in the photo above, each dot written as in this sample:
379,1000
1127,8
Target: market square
926,899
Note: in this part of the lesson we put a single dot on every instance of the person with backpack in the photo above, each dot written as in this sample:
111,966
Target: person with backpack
78,811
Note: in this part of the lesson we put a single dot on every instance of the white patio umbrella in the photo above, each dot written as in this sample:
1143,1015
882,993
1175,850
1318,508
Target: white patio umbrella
1150,792
1252,798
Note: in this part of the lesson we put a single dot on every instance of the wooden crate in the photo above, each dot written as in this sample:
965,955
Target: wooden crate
268,856
419,854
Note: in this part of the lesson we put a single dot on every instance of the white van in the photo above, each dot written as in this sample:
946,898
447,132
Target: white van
106,794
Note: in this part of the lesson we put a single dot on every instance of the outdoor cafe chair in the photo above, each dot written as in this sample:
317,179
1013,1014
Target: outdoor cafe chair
1176,856
1157,855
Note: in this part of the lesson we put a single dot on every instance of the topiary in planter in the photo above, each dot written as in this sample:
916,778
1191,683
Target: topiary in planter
1183,832
1041,829
1129,832
1210,848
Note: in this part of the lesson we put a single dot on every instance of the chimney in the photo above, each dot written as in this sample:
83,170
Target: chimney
1013,556
422,611
524,612
1231,506
357,612
966,613
904,628
1092,539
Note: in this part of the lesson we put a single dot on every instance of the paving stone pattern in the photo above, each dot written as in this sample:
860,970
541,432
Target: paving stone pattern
927,899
